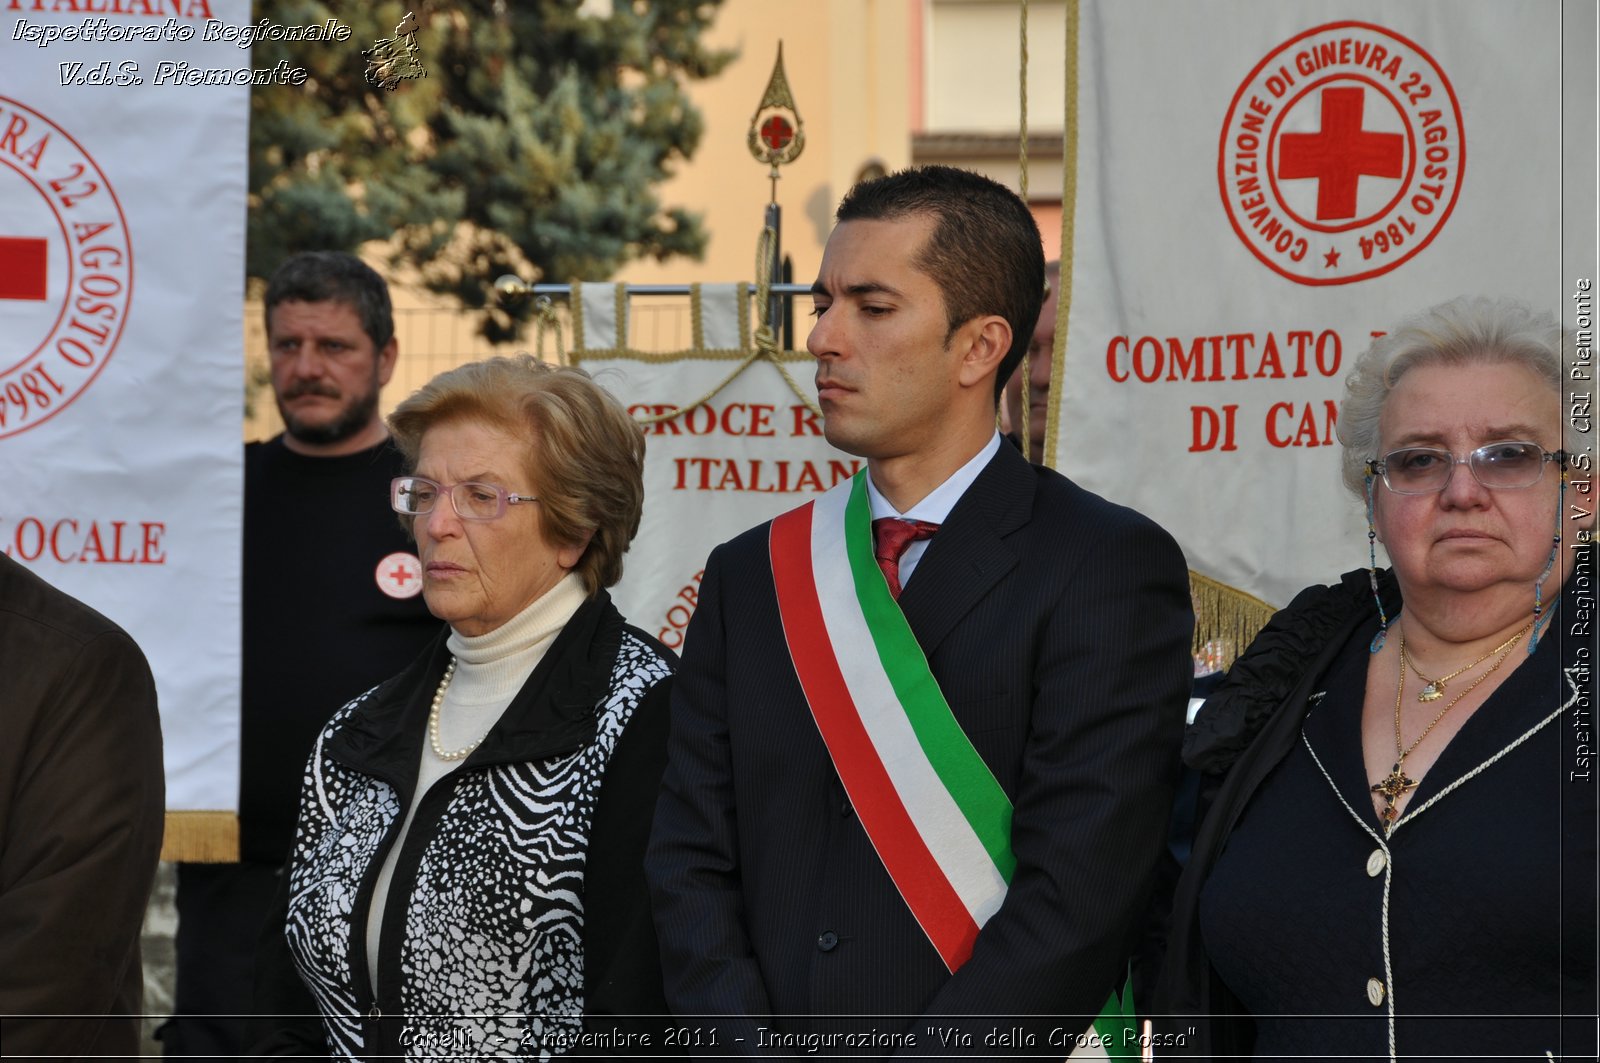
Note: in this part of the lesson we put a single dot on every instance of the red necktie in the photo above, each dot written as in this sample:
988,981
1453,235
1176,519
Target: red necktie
891,536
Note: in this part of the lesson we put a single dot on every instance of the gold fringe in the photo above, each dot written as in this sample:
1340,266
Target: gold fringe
1226,620
201,837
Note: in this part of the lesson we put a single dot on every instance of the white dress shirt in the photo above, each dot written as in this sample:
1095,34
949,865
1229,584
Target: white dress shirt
934,508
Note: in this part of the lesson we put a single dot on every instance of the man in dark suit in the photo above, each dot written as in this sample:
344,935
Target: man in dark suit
82,801
809,886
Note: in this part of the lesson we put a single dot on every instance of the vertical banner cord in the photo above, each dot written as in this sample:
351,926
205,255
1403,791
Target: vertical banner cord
1025,429
697,321
545,319
1069,201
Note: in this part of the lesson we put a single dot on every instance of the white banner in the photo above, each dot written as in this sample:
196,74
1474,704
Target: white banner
1260,188
750,452
122,218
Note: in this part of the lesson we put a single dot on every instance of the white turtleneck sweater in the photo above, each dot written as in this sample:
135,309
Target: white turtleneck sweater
490,670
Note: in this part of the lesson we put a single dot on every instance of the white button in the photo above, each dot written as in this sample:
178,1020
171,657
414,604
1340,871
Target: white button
1376,863
1375,991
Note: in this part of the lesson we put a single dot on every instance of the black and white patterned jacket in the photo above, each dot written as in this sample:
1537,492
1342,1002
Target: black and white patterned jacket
517,906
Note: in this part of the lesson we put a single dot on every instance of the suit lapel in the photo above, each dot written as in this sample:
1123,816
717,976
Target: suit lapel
969,555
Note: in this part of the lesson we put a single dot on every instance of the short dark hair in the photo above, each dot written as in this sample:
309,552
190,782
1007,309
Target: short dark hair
985,253
333,276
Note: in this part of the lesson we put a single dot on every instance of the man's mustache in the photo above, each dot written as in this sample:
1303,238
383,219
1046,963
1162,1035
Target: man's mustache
311,387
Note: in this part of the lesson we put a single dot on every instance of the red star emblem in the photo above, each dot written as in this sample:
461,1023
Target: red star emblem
1332,259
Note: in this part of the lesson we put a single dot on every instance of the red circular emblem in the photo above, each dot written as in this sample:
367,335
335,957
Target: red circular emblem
1342,154
400,575
776,132
66,268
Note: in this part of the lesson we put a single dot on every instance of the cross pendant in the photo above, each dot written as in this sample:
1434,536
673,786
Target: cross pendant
1394,784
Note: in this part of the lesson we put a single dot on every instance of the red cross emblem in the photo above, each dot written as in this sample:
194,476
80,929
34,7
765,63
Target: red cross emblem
1340,153
400,575
776,132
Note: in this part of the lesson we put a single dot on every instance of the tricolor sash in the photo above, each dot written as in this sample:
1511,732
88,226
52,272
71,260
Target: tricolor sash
931,807
939,821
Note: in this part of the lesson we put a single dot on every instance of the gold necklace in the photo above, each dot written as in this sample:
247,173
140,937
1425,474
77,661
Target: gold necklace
433,720
1397,781
1435,687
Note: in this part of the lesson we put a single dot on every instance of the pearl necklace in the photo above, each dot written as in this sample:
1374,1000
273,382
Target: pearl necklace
433,721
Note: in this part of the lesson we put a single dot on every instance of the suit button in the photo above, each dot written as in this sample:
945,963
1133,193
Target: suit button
845,809
827,940
1375,991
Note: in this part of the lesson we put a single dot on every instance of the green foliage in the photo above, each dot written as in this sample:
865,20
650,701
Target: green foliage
533,145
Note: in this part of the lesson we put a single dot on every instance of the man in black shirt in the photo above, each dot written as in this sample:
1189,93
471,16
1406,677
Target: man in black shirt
331,608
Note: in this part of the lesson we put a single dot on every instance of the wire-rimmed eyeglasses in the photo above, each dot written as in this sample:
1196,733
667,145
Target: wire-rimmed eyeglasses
1424,470
414,496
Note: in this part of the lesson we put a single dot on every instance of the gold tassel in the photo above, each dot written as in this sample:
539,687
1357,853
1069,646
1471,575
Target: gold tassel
1226,620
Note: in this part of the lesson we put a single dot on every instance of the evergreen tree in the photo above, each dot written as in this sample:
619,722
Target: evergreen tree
533,145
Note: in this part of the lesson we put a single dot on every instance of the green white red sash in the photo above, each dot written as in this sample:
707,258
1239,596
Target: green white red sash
939,821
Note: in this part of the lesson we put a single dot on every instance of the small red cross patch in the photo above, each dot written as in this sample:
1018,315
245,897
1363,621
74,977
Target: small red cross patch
400,575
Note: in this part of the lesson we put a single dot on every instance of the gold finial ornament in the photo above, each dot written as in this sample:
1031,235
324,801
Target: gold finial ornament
509,286
777,135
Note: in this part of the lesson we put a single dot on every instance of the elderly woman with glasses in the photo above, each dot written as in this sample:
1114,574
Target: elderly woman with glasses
1398,860
467,874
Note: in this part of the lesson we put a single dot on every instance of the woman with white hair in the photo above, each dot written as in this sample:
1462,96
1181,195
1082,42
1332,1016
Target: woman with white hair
1398,860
